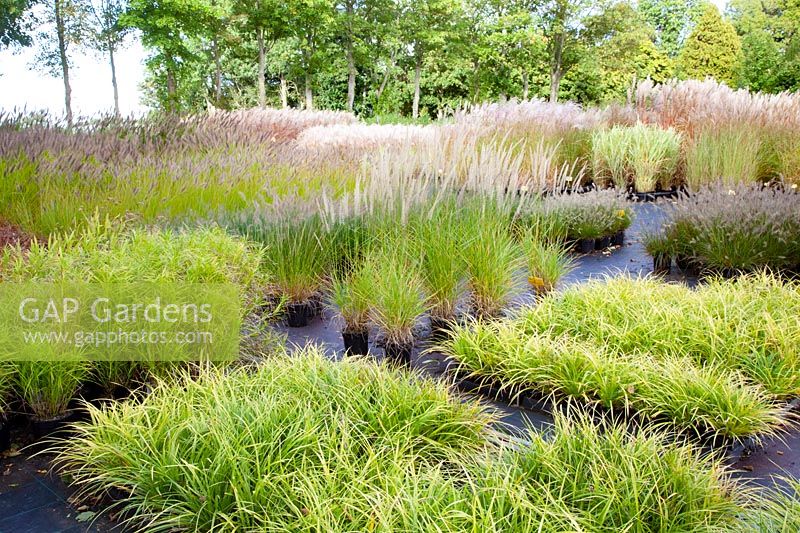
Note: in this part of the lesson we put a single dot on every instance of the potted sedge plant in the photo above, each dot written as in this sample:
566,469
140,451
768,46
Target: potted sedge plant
442,267
47,388
396,299
296,257
493,259
547,262
349,298
660,248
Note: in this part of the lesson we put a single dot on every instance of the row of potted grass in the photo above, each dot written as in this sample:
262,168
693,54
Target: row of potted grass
451,254
727,230
721,360
302,443
748,325
105,252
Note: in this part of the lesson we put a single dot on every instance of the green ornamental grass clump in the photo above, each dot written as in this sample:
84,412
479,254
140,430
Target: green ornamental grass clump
643,156
307,444
703,400
747,326
738,229
597,213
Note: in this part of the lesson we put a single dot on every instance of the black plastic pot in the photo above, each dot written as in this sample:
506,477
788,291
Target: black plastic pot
586,246
619,238
398,354
5,433
52,427
440,328
356,343
661,263
601,243
687,265
297,314
653,195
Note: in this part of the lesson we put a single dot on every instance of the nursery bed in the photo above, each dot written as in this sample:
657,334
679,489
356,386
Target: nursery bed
31,499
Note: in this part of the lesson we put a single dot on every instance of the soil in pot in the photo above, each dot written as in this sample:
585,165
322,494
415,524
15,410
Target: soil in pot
52,427
297,314
398,354
661,263
619,238
356,342
586,246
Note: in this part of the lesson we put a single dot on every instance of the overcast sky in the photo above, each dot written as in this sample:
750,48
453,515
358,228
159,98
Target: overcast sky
21,86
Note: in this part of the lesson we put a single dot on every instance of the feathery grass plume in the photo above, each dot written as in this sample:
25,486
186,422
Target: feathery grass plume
393,453
704,400
396,296
737,228
492,256
748,326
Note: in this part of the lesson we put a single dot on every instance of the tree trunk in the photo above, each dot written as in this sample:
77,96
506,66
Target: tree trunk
262,89
351,77
385,80
62,54
309,91
525,85
284,92
417,75
217,72
555,67
114,80
172,91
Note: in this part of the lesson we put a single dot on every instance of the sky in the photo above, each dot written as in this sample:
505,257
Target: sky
22,86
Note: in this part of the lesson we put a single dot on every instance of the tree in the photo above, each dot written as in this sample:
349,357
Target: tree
427,25
167,27
267,20
64,25
107,35
672,21
712,49
15,22
311,23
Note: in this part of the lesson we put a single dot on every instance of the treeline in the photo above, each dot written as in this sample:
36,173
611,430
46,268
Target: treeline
416,57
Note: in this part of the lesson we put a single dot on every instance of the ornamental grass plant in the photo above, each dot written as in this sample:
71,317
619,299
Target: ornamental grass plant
402,454
747,326
674,391
738,229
